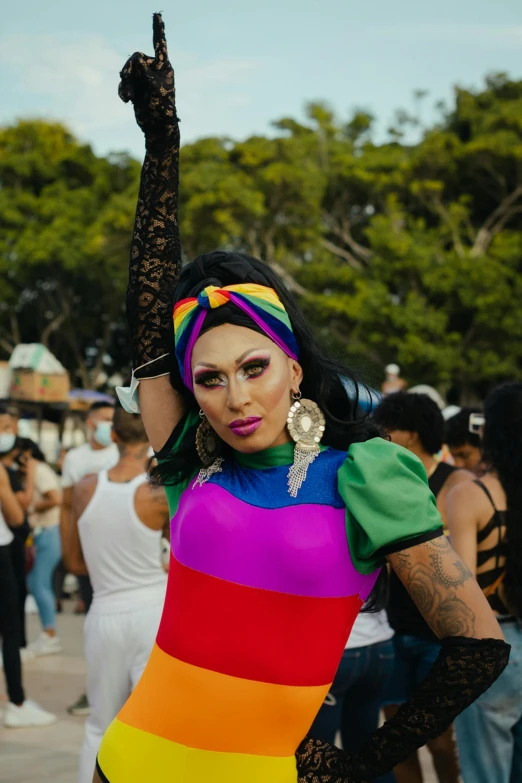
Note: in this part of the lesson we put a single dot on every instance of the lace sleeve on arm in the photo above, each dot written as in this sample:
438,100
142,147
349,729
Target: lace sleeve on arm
148,82
464,669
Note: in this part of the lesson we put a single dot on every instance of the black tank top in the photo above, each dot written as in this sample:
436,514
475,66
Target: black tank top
491,580
403,615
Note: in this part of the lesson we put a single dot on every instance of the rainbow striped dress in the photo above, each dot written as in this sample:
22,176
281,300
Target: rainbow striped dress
263,590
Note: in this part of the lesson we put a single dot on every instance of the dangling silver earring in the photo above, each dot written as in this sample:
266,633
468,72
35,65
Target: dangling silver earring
306,427
208,448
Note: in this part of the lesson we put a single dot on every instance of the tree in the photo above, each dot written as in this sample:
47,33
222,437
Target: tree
65,222
398,250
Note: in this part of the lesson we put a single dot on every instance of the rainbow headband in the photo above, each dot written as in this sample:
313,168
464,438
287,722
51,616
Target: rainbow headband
259,302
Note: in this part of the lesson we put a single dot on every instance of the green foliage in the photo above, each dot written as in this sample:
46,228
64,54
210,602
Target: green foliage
398,251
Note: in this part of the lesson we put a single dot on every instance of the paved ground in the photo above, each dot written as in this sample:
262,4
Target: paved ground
51,754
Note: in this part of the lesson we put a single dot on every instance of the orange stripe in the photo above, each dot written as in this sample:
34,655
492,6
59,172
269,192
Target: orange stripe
211,711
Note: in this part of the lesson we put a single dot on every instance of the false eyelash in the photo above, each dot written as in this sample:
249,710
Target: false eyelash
256,363
207,376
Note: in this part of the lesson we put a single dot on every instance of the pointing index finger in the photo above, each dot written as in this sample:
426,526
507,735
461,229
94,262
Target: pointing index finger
160,43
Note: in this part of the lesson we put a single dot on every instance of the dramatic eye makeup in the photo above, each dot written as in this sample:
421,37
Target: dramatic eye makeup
255,366
252,367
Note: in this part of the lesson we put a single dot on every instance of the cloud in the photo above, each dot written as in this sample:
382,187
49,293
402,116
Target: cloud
74,79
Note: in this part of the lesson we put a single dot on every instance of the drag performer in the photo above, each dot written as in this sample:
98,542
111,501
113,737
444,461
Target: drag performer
283,509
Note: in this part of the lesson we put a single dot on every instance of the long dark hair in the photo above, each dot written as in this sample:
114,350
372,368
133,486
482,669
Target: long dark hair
502,446
324,378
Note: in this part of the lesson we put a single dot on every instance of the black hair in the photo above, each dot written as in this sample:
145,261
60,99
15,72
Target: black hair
322,375
26,444
96,406
502,447
4,409
415,413
457,429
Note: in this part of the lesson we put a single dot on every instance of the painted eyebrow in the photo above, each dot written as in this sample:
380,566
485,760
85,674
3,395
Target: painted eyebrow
238,361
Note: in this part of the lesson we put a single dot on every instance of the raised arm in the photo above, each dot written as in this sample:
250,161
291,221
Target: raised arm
155,261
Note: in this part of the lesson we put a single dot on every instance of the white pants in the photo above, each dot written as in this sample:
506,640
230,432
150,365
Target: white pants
117,648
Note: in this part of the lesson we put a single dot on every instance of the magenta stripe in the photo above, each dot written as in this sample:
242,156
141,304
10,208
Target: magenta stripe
263,325
299,550
187,361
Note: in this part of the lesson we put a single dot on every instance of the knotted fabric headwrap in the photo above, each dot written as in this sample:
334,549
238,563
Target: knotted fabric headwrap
259,302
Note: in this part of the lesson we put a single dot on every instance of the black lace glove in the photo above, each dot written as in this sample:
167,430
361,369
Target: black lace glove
155,260
464,669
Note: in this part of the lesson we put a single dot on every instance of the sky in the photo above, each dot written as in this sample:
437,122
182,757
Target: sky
241,65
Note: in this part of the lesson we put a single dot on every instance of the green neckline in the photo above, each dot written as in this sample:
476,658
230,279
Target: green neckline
269,458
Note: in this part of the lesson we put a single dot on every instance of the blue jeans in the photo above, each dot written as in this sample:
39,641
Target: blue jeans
414,658
355,698
40,579
489,733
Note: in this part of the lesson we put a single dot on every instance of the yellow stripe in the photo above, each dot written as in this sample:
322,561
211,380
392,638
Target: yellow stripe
128,755
212,711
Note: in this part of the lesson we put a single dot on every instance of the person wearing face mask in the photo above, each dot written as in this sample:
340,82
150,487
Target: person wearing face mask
20,712
98,453
23,485
284,506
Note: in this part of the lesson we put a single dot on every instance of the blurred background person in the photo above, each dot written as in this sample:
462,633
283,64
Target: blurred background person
117,524
464,446
485,521
20,712
353,704
22,485
44,519
98,453
415,422
393,381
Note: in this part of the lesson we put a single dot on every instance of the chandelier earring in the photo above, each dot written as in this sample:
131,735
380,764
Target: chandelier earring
306,425
208,447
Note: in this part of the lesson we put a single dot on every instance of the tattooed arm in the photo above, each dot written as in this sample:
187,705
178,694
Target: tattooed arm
445,591
473,654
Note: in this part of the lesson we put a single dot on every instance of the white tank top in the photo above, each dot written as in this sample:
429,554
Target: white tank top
5,534
123,556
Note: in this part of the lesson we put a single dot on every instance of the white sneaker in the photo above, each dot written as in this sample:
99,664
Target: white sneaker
30,714
45,645
30,605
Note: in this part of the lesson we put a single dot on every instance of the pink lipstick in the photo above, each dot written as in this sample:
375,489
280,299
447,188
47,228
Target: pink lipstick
245,427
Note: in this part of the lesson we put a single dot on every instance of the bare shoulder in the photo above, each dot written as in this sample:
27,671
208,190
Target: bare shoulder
154,495
459,477
83,491
467,500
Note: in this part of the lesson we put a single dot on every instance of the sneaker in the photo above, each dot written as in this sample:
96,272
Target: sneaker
29,714
80,708
45,645
30,605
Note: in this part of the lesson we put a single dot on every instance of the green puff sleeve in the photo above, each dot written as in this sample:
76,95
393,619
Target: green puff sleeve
389,505
174,491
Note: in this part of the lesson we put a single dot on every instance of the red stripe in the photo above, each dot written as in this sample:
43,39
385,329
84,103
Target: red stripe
252,633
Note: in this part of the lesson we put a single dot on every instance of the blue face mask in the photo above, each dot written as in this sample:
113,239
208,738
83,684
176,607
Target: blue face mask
103,432
7,442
